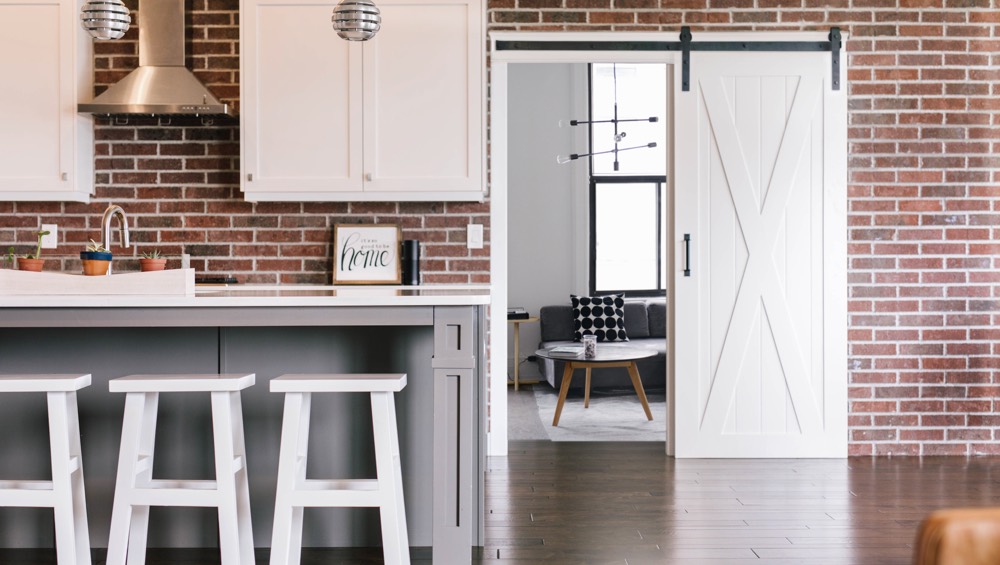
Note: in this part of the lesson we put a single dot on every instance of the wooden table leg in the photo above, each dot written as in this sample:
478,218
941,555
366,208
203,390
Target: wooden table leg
586,393
633,372
517,354
563,391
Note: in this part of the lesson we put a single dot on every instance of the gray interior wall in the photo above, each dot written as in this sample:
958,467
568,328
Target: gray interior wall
547,202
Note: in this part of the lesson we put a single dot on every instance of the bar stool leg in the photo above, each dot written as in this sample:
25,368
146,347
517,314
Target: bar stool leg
395,541
129,523
286,540
230,476
139,531
72,532
242,482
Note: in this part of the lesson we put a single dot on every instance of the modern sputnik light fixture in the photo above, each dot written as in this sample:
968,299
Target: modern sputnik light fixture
356,20
619,135
105,19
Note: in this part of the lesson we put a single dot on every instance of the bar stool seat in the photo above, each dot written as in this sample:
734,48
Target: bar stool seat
64,493
136,490
295,492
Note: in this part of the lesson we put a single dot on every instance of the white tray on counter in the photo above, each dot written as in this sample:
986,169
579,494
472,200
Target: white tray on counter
172,282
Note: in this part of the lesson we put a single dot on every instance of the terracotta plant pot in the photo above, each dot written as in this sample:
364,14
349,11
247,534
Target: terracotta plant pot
152,264
95,262
24,264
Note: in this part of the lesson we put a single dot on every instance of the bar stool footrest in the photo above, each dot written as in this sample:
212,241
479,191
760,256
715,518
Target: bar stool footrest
175,493
354,493
15,486
27,494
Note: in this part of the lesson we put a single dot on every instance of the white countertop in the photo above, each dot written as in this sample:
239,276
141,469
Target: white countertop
270,296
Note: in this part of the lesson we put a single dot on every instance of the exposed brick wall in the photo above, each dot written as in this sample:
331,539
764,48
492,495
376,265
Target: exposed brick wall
924,179
178,181
925,128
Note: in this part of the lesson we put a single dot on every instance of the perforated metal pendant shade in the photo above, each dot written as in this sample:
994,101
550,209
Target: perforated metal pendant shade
356,20
105,19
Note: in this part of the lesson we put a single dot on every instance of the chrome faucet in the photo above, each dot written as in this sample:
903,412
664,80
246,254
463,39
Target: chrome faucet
109,214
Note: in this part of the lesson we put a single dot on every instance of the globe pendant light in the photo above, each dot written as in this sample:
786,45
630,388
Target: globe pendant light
105,19
356,20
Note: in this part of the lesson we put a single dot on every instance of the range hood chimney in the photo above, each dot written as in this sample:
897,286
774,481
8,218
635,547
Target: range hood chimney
161,84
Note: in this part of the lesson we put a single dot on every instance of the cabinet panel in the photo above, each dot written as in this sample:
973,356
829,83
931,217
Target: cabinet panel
398,117
42,132
423,98
301,102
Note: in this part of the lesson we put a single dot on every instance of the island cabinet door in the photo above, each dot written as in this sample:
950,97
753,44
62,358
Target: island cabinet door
760,356
424,121
301,111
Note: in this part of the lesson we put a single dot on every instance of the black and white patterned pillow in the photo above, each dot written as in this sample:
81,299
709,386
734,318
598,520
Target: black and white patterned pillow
602,316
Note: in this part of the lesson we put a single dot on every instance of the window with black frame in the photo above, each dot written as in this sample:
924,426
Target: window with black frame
628,178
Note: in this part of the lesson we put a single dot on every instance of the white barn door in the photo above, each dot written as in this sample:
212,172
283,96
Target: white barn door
761,322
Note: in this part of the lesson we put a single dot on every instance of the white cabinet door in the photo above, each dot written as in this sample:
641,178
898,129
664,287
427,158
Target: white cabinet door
301,88
423,98
398,117
761,323
46,147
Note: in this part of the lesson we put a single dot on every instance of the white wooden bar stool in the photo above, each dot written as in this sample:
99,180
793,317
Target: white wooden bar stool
64,493
136,489
295,492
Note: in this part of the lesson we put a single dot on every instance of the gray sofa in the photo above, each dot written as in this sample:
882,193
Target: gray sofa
646,326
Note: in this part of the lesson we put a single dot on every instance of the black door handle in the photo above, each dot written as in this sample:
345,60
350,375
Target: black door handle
687,255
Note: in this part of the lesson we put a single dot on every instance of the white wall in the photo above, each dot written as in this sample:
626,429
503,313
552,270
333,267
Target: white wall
547,202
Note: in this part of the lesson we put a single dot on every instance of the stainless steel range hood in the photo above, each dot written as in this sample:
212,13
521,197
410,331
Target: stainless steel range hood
161,84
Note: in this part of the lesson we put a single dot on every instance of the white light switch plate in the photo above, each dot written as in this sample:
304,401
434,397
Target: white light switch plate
52,240
475,237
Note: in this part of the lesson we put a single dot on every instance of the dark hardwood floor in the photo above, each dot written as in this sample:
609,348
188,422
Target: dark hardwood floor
629,504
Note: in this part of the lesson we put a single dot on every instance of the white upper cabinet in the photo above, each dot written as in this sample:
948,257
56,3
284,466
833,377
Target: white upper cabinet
46,147
396,118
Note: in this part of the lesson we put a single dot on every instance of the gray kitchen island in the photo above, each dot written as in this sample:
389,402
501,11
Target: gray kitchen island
435,334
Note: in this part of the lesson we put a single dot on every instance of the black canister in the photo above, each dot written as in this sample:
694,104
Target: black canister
411,262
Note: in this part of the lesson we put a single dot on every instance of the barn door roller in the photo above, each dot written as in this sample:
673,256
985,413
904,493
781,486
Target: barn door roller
688,45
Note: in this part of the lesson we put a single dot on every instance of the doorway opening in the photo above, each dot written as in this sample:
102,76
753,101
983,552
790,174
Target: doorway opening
551,222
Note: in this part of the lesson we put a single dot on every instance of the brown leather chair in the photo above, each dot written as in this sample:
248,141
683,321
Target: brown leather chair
961,536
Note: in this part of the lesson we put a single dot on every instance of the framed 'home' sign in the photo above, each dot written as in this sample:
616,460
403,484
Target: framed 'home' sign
366,254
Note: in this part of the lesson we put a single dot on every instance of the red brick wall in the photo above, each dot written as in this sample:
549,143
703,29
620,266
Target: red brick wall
924,178
179,183
925,124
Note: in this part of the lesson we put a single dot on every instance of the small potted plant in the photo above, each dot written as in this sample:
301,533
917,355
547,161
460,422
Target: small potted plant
96,259
151,261
32,261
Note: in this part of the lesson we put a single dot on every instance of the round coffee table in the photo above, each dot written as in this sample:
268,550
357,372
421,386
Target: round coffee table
608,355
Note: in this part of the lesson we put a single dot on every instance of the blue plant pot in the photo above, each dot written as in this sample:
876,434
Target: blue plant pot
95,255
